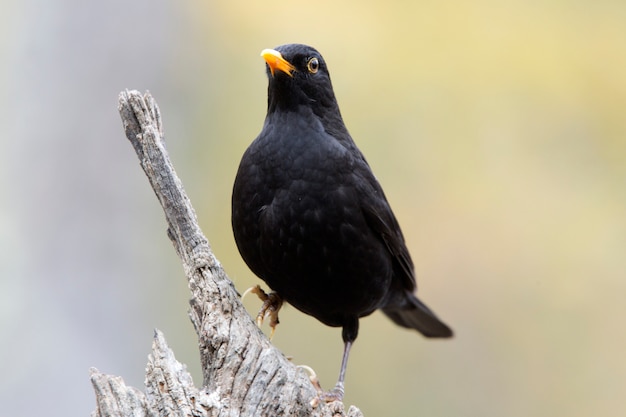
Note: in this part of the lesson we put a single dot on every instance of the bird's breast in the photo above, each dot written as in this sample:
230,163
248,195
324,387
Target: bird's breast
298,218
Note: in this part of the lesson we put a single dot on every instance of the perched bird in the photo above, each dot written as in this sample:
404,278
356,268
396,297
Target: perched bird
310,218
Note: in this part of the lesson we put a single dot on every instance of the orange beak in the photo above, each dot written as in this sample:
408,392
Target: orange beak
276,62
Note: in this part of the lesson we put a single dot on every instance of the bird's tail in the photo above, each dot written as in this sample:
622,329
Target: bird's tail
415,315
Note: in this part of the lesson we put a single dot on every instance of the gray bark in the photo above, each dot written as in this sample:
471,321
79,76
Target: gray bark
243,373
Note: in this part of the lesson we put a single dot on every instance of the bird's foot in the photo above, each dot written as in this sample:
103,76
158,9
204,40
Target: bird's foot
335,394
272,303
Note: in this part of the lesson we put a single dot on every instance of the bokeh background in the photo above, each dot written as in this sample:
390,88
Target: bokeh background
498,130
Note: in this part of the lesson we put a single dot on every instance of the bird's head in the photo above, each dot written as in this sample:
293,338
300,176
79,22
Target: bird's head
298,76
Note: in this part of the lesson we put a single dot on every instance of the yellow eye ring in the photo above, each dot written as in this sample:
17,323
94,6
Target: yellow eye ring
313,65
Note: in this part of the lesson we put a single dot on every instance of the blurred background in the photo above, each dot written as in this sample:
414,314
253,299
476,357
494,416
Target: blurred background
498,130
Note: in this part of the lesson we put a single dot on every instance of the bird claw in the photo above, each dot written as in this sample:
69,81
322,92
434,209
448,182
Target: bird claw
335,394
272,303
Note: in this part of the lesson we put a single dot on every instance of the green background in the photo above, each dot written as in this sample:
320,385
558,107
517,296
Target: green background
498,130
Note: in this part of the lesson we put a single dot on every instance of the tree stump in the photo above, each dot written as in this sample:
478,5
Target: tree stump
243,373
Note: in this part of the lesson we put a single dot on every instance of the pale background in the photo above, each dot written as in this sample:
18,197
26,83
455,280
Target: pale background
498,130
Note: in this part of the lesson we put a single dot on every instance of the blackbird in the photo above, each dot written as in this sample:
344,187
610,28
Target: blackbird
310,218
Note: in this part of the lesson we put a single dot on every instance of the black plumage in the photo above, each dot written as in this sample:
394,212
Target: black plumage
310,218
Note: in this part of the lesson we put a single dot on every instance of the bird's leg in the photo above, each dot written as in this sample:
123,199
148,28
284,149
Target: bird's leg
335,394
272,303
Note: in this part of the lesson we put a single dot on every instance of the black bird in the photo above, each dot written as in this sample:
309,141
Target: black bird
310,218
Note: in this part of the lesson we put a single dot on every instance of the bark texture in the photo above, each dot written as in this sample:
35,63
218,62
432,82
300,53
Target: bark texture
243,373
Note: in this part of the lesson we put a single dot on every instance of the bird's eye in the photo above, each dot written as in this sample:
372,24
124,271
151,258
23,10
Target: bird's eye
313,65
